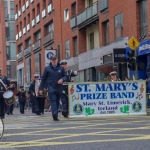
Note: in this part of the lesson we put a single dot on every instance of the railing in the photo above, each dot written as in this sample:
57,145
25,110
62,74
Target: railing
88,13
36,45
11,17
19,56
27,51
73,22
48,38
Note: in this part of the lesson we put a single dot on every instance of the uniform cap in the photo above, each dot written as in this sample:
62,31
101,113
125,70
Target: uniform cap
53,57
63,62
113,72
36,75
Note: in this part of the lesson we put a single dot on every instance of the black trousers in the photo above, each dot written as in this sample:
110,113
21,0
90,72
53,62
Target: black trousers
22,106
2,105
41,104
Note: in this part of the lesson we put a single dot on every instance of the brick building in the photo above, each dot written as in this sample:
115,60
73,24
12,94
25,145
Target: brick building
85,32
7,40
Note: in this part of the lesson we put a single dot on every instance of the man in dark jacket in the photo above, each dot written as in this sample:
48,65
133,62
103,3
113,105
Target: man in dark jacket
34,94
53,75
4,84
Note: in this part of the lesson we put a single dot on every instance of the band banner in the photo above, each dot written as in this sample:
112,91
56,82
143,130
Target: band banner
107,99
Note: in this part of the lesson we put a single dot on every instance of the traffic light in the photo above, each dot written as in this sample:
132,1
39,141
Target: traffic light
131,60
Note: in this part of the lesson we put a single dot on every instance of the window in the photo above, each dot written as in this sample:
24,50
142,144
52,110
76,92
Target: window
37,60
12,48
66,14
6,10
38,9
91,41
73,8
24,22
49,28
9,71
28,70
118,26
28,42
143,17
44,4
33,13
103,5
90,2
28,18
12,9
7,52
75,46
106,32
37,36
10,29
67,48
20,48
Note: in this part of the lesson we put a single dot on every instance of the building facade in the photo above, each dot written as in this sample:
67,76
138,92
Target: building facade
8,41
86,32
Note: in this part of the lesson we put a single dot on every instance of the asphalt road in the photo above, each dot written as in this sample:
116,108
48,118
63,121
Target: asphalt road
102,133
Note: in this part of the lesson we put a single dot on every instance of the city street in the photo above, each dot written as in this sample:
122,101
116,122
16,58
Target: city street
41,132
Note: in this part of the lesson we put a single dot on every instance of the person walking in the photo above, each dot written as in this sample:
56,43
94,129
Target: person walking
34,94
4,84
21,98
64,98
53,76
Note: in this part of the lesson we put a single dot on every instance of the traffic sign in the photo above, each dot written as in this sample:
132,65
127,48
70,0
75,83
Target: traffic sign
133,43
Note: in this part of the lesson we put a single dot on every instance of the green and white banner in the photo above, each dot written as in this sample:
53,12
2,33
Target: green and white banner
105,99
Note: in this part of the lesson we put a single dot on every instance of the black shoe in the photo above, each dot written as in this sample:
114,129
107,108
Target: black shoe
38,113
65,114
2,117
55,118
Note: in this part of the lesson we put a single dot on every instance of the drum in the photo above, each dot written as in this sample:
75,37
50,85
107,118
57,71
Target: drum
9,97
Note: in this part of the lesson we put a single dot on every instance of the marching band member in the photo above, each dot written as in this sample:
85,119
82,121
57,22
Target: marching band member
64,97
113,76
22,98
4,83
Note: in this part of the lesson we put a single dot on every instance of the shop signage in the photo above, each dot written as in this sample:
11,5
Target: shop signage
107,99
119,55
144,48
48,54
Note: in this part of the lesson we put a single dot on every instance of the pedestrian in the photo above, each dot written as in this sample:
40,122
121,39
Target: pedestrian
64,98
113,76
53,76
34,94
4,84
22,94
10,108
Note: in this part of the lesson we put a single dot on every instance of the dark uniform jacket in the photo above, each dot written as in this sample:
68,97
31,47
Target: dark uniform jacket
21,96
70,74
32,88
6,82
51,76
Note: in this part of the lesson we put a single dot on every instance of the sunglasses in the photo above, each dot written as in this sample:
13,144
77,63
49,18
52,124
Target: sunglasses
36,76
